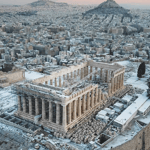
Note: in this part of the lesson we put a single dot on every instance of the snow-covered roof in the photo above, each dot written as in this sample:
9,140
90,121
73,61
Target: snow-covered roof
102,117
145,106
127,98
120,105
109,111
131,111
102,112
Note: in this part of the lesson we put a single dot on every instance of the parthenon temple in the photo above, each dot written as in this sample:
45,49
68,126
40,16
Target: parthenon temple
61,100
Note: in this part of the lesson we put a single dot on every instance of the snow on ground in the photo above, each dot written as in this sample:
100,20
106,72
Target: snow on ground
136,82
131,76
123,63
7,99
127,97
30,75
11,129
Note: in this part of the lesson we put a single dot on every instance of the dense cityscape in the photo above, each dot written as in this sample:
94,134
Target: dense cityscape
74,77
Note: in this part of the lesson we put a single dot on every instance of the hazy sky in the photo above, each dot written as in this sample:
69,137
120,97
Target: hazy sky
21,2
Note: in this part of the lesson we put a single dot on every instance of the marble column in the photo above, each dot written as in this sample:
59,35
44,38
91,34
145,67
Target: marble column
96,96
92,98
19,103
64,80
57,113
71,75
24,104
120,81
46,82
118,87
75,74
43,109
112,85
88,100
55,82
74,110
82,73
59,81
64,116
85,71
79,107
51,82
102,98
99,95
91,69
36,106
30,105
109,89
115,81
69,113
83,104
107,76
123,79
78,72
50,111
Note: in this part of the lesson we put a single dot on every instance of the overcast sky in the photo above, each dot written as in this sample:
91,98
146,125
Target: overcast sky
82,2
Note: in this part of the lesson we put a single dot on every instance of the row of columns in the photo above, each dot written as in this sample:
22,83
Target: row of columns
117,83
64,115
79,106
59,81
104,75
22,106
81,73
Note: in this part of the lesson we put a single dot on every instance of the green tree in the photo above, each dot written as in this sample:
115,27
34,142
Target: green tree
141,70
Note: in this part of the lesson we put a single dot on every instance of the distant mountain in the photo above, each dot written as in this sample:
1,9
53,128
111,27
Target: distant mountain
109,7
135,6
46,3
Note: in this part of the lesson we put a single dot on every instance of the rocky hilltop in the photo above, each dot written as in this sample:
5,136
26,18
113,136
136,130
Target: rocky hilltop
46,3
108,7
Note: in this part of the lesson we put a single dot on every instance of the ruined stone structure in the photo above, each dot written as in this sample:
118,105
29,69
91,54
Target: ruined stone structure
7,78
141,141
64,98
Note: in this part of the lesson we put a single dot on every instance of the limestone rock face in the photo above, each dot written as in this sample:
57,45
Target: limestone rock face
109,7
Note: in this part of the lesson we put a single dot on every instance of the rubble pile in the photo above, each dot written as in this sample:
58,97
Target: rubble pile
88,131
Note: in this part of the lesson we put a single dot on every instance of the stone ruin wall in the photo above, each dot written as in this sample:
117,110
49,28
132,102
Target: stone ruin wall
13,77
140,142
